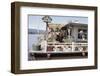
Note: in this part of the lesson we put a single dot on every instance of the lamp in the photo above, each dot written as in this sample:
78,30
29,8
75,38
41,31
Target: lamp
47,19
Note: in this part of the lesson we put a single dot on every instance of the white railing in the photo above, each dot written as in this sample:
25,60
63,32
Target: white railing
73,45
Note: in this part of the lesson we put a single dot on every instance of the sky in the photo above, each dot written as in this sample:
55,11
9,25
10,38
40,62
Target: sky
36,22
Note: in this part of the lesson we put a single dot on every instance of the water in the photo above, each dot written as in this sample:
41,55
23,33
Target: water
33,39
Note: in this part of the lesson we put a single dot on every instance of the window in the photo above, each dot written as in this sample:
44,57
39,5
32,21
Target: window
82,34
